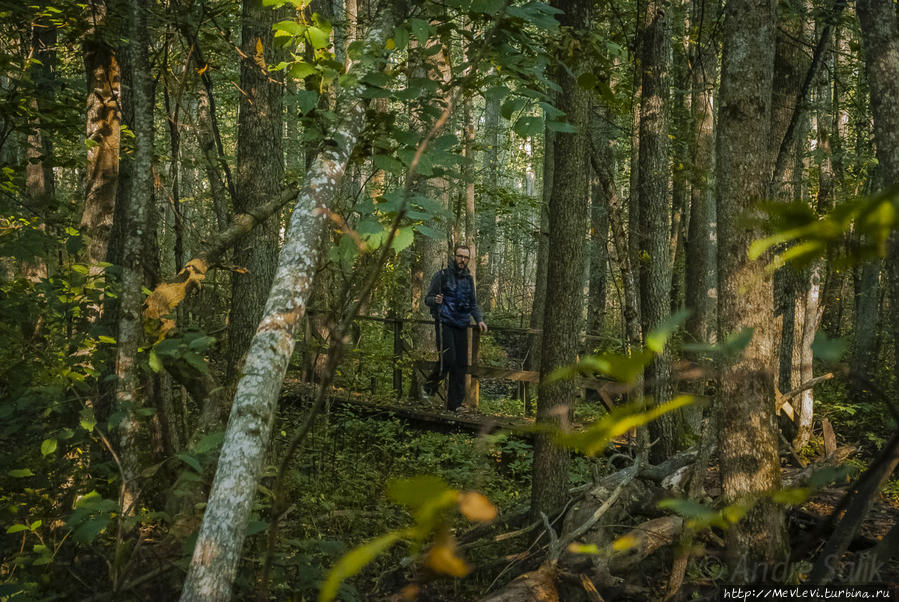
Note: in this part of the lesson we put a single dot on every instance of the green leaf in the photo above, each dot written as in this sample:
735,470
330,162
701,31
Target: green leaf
301,70
20,473
561,126
587,81
512,106
594,439
90,529
388,164
401,38
429,232
35,525
403,238
155,363
659,335
488,7
828,350
416,491
291,27
420,30
151,470
48,447
106,339
190,461
528,126
307,100
686,508
319,38
87,420
792,496
353,562
256,526
209,443
17,528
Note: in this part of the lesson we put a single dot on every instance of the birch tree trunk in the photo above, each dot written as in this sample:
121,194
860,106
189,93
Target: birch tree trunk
220,540
747,438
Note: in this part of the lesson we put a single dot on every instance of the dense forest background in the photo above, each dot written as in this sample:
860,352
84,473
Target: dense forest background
218,220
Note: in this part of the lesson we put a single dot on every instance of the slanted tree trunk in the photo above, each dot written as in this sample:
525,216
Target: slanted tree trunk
747,439
103,136
220,540
655,209
568,211
260,174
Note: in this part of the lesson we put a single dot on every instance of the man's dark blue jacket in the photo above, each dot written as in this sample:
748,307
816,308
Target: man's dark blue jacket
459,303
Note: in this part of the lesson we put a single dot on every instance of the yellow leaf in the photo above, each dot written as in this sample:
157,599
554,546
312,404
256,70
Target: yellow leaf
260,54
583,548
442,559
390,44
166,296
476,507
624,543
203,70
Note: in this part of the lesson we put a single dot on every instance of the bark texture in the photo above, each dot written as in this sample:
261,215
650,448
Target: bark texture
130,325
260,172
217,552
568,210
103,134
880,47
747,440
655,210
702,242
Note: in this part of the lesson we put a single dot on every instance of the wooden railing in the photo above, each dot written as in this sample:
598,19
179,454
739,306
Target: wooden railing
475,371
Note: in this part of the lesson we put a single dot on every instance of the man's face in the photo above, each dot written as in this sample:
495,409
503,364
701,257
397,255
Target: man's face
462,257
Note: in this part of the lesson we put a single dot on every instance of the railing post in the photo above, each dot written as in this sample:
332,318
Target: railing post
397,357
474,388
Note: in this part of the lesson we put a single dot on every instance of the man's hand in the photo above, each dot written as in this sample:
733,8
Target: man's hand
438,299
483,327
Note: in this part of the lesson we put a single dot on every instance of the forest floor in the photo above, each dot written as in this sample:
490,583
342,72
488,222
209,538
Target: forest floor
497,563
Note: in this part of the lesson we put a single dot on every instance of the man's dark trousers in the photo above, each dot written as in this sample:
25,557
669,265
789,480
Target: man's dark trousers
452,343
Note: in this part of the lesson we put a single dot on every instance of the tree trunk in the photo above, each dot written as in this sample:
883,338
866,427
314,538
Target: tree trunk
747,438
39,184
220,540
880,46
135,203
702,282
655,209
103,136
568,211
260,174
487,215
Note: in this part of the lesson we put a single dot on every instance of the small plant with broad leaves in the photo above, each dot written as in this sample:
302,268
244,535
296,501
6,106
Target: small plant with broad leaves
431,501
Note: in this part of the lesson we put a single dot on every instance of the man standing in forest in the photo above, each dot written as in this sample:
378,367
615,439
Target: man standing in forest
451,298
